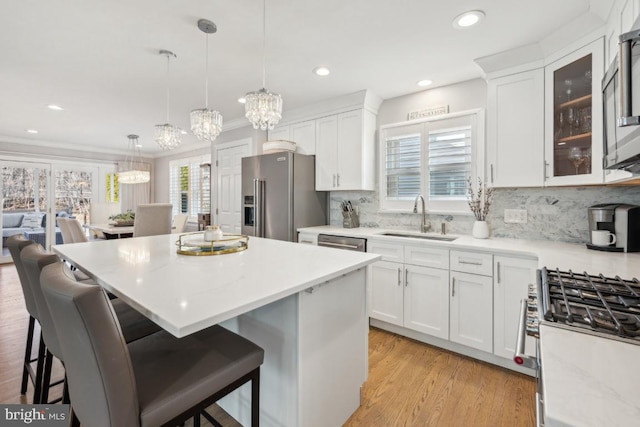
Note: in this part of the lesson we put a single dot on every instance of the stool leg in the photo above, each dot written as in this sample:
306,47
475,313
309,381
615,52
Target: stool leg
27,355
46,377
39,370
255,398
65,391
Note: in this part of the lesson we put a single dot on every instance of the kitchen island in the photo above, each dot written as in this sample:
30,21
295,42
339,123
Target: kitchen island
304,305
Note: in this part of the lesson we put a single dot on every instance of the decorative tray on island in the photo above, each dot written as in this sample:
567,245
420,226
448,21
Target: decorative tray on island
195,245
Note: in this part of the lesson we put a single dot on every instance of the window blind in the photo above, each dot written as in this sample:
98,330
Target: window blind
449,160
402,165
185,188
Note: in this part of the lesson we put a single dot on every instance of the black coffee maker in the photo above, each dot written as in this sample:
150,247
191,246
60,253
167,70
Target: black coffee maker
619,219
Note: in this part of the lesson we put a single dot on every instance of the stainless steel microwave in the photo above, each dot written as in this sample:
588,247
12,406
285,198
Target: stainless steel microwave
621,98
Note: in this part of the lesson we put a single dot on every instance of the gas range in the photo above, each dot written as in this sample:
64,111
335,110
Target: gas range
595,304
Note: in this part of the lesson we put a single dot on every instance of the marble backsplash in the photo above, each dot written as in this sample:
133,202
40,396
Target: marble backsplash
552,213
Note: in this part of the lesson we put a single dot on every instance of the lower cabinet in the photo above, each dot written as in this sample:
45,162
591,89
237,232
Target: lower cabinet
511,280
471,310
412,296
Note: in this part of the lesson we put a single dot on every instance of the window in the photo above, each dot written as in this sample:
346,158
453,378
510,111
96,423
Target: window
186,188
433,157
113,188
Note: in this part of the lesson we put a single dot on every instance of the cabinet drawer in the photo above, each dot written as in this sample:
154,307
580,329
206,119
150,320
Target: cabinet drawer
389,252
472,262
428,257
308,238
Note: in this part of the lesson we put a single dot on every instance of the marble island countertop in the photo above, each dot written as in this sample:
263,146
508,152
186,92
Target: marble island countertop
550,254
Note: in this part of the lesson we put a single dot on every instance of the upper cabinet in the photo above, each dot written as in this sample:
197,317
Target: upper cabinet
573,117
515,130
345,151
302,133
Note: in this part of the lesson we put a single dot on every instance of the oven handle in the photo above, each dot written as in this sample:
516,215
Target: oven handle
520,357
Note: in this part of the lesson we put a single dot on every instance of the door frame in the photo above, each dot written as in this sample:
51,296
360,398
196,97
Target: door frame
248,142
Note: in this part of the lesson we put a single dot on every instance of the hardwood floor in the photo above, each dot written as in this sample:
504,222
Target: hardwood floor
410,383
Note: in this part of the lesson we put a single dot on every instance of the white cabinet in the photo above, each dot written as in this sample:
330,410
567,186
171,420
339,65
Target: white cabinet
471,300
308,238
515,130
303,134
345,149
511,280
413,296
573,117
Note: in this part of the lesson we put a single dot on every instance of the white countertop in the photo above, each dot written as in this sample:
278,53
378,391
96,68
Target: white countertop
565,256
184,294
596,386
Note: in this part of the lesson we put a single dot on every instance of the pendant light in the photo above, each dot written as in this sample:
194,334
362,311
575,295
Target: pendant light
263,108
133,171
166,135
206,124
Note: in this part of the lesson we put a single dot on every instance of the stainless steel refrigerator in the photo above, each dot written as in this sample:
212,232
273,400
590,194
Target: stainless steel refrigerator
279,196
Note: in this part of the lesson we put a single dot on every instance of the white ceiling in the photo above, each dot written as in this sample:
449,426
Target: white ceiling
99,59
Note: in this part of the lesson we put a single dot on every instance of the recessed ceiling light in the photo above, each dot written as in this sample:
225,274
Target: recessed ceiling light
468,19
242,100
321,71
55,107
182,131
32,131
424,83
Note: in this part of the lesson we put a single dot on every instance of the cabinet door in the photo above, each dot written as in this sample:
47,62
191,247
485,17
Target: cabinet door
350,150
426,300
471,311
308,238
515,130
511,280
386,292
280,132
573,117
326,153
304,135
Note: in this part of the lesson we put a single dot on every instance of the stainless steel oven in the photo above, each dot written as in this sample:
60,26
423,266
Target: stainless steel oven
582,303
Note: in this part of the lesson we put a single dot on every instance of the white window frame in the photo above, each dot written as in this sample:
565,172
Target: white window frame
458,207
194,186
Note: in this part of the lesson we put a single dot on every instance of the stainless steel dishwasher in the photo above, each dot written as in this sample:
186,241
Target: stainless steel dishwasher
342,242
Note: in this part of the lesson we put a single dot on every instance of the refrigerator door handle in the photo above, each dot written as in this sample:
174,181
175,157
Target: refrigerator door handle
258,200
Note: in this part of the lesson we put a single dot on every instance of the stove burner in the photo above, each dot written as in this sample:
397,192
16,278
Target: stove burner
609,305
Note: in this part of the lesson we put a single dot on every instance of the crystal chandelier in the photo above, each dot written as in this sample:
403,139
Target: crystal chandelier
166,135
263,108
132,171
206,124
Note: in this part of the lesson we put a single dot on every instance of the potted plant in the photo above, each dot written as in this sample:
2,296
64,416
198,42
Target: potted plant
479,204
124,219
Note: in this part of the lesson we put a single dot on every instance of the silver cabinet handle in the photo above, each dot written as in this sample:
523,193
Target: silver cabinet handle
519,357
544,169
498,268
406,277
334,180
338,179
469,262
399,276
492,173
453,286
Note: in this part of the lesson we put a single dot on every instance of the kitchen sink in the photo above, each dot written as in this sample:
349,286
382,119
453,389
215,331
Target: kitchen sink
421,236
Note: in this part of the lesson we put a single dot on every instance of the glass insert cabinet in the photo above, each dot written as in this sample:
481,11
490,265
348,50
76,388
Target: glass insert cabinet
574,117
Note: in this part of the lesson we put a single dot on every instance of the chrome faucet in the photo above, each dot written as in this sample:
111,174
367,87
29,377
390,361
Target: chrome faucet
424,225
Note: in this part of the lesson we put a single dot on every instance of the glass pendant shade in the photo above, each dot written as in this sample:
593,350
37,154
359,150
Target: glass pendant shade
132,172
263,109
206,124
167,136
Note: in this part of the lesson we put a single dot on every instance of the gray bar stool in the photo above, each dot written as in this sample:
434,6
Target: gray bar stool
154,381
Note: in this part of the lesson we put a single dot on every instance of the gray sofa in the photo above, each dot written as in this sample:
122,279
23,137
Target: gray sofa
31,224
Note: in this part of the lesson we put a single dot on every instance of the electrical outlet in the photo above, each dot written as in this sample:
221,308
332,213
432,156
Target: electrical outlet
518,216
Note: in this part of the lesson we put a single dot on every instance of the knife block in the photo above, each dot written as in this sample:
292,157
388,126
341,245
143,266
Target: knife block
350,220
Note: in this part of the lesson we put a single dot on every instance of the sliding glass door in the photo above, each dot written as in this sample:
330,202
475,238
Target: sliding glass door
25,190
